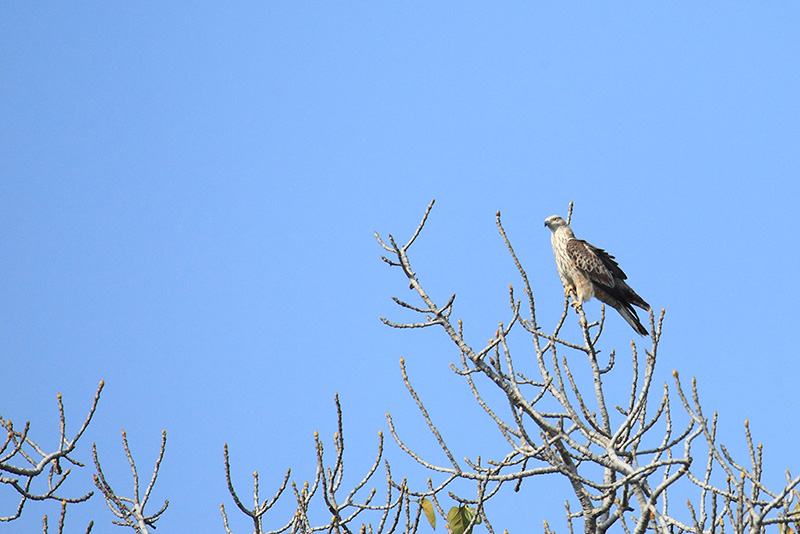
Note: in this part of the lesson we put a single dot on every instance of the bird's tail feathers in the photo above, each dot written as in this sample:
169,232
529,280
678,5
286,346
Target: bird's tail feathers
632,297
629,314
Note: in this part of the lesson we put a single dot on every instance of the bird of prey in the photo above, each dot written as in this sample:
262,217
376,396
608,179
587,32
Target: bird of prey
587,271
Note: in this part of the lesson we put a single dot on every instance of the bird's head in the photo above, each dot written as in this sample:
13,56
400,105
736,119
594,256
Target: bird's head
554,222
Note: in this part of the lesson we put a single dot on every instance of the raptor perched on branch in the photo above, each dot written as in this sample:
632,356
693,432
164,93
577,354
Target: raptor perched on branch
587,271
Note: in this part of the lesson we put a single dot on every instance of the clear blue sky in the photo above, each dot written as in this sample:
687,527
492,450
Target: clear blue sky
189,192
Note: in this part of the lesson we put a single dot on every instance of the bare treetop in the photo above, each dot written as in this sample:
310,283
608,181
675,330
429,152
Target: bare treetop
23,461
622,452
640,454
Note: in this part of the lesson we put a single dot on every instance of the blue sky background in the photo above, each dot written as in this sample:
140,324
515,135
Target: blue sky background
189,195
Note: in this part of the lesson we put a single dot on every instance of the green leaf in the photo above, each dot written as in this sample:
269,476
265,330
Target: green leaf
459,517
427,507
455,520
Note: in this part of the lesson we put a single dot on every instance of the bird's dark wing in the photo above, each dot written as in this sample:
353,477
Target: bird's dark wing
608,260
593,262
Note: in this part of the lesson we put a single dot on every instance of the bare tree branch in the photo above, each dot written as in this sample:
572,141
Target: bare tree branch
22,460
130,511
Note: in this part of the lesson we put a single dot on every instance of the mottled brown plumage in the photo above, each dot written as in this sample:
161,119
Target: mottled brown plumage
587,271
